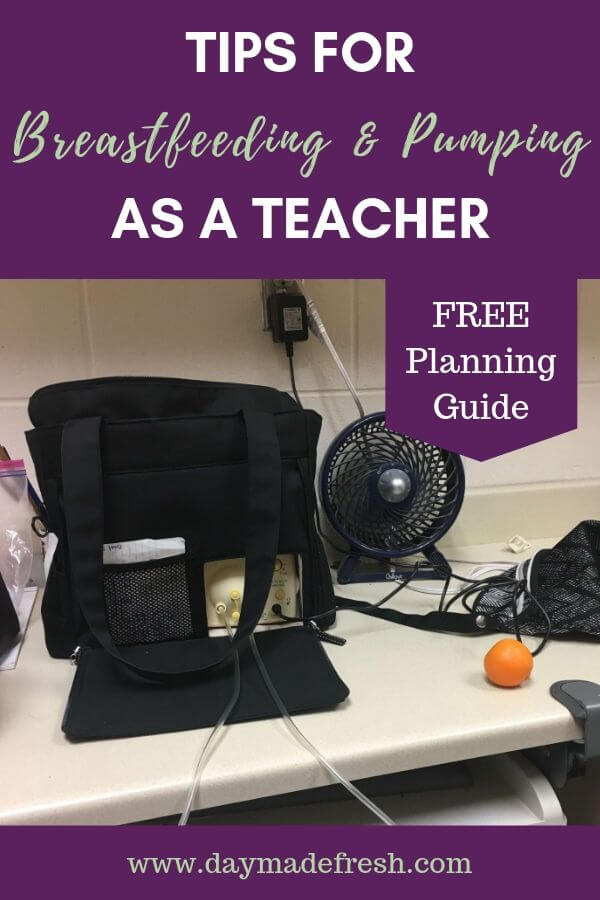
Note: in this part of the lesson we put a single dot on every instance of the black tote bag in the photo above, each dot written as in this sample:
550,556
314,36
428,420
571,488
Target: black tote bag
228,468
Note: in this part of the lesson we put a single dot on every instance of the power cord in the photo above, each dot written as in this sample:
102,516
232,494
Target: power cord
475,573
474,585
513,589
289,349
290,317
318,328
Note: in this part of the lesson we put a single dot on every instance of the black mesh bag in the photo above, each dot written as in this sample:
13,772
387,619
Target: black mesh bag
555,593
560,590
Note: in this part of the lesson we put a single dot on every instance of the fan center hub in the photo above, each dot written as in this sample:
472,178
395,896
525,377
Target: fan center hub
394,485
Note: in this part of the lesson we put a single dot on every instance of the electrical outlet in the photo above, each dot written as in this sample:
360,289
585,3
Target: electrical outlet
271,286
224,583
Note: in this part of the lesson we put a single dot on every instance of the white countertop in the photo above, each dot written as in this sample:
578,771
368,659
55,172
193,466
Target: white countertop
416,699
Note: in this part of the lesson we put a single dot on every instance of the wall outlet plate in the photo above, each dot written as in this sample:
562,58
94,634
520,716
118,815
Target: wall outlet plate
224,582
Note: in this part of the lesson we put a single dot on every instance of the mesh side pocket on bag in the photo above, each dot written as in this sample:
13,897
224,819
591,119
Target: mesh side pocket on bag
148,602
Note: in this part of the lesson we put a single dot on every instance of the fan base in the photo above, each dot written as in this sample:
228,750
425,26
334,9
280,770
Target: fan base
358,569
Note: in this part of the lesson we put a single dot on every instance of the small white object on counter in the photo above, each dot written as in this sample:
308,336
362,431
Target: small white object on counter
518,544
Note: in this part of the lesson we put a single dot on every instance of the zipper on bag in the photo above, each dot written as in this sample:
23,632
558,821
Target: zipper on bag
323,636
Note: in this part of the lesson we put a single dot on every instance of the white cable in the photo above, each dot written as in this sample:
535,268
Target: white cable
487,568
203,755
434,592
304,741
480,569
318,328
479,562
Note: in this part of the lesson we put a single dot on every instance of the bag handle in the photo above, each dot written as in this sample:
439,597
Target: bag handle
83,499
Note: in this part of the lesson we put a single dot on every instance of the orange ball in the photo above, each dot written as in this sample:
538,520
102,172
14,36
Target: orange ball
508,663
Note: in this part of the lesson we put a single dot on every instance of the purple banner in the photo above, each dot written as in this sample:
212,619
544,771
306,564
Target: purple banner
412,862
448,148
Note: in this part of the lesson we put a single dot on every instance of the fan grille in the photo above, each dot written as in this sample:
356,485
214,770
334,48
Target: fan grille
386,529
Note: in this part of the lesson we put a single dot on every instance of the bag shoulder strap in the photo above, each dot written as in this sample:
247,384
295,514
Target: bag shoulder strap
83,500
452,622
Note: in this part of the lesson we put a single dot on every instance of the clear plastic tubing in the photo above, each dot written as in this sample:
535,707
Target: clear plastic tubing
304,742
204,753
292,727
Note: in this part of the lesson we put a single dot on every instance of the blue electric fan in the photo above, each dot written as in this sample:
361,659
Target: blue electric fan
390,496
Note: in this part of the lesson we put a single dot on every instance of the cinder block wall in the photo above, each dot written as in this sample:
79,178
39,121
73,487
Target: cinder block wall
59,330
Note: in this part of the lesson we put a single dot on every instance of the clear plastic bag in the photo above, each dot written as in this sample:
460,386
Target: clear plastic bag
16,550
